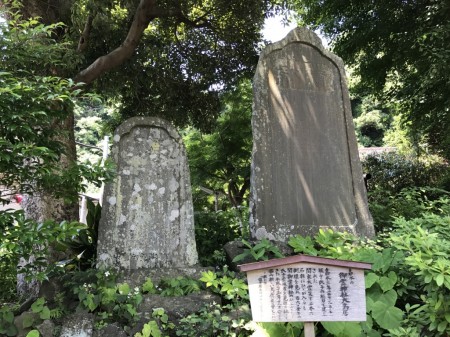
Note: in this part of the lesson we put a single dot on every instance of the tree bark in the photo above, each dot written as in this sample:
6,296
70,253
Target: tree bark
145,13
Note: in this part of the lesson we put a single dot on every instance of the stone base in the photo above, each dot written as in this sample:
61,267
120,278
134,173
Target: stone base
137,277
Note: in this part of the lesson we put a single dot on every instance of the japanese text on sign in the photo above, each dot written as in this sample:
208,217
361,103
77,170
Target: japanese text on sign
307,292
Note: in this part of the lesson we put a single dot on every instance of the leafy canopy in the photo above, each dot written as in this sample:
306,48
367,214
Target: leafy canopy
34,108
399,49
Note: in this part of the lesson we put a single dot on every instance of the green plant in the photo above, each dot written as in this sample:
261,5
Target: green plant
391,172
381,297
7,326
155,327
227,284
409,203
110,301
425,242
26,238
216,320
215,229
179,286
262,250
33,333
84,245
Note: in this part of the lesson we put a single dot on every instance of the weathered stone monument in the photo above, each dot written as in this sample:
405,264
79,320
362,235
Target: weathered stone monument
306,172
147,217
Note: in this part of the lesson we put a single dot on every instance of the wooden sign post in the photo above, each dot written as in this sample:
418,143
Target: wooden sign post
306,289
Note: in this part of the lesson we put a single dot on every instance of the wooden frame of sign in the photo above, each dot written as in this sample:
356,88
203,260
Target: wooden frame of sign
306,289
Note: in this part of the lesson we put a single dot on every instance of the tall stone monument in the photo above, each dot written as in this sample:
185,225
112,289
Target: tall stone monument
306,173
147,217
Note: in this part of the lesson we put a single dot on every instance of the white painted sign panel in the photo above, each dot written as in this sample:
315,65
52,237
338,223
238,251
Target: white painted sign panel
306,292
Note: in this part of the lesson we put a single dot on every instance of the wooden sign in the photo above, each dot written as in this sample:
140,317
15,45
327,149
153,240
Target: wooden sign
306,289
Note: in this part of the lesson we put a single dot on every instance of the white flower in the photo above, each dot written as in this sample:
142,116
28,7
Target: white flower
107,273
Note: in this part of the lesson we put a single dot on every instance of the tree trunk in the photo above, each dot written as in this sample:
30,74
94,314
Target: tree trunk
43,206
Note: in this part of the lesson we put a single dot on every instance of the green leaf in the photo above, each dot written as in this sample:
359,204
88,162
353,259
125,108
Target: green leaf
388,282
123,288
38,305
371,278
440,280
28,321
389,297
148,286
442,326
271,329
240,256
33,333
343,329
335,328
154,329
387,316
45,313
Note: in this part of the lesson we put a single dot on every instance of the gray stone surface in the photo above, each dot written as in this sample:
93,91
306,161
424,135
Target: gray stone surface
22,322
306,172
147,216
177,307
138,277
46,328
111,330
78,325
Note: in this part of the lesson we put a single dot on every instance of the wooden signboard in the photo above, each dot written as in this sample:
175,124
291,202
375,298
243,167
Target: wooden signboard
306,289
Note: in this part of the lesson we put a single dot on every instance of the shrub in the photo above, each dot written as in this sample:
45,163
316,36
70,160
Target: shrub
391,172
214,229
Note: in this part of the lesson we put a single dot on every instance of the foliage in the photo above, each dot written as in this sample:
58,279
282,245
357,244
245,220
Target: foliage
408,203
407,290
7,326
8,270
34,108
391,172
110,301
154,327
227,284
214,229
399,51
26,238
84,245
425,241
179,286
220,160
186,56
404,186
371,121
262,250
215,320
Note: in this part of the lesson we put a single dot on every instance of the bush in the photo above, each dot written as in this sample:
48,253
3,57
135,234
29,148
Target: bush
408,288
391,172
409,203
214,229
404,186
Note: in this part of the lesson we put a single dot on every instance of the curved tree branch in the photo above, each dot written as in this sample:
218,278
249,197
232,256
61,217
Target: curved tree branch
145,13
83,42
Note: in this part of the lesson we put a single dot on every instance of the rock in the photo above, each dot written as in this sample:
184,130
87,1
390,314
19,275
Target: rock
46,328
24,322
137,277
78,325
111,330
233,249
50,288
147,217
176,307
305,171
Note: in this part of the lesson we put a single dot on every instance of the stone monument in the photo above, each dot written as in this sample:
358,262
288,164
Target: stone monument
147,218
306,173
